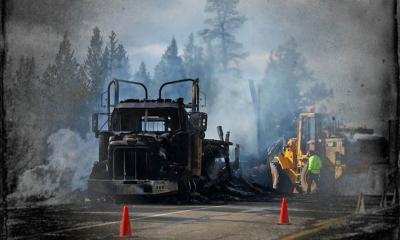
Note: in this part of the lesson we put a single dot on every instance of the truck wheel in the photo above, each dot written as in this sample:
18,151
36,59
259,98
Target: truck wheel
303,179
184,188
280,180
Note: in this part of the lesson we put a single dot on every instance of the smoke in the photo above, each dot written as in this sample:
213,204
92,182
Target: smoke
233,110
68,167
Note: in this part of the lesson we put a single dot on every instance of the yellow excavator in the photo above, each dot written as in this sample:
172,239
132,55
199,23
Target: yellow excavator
340,153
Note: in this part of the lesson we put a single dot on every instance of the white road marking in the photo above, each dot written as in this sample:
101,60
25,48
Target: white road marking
262,209
137,218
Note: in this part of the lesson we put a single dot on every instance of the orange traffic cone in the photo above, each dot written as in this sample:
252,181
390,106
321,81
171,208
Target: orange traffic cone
284,216
125,229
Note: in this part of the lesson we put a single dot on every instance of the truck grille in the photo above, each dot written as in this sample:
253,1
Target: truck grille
131,163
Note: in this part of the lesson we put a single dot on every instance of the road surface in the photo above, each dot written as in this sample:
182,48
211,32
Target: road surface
311,217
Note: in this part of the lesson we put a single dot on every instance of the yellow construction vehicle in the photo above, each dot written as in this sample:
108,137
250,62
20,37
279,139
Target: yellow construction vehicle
332,143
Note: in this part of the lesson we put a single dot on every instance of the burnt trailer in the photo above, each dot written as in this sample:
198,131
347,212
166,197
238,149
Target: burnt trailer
154,147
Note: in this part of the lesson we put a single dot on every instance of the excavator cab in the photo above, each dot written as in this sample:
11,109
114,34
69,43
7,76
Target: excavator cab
306,133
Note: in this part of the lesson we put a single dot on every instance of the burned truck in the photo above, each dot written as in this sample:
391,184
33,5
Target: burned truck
154,146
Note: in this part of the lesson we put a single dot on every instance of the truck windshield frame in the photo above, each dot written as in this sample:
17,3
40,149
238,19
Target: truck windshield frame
140,120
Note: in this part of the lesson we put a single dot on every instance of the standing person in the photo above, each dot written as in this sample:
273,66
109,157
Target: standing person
314,170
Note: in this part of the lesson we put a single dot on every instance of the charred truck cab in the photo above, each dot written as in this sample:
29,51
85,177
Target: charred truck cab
152,147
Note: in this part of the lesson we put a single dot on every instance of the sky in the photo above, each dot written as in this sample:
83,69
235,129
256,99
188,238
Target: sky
347,44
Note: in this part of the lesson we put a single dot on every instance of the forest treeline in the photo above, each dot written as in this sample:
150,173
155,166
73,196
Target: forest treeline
69,90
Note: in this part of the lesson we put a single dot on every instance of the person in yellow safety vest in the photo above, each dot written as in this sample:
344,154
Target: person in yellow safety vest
314,170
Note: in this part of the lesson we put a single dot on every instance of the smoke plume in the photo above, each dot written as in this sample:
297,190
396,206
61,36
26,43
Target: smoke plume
68,167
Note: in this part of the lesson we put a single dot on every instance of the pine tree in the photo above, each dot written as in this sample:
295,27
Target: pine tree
113,44
81,100
170,68
102,66
283,94
118,61
25,76
66,90
105,64
142,75
67,70
23,89
223,25
96,65
121,63
188,57
23,116
193,60
209,78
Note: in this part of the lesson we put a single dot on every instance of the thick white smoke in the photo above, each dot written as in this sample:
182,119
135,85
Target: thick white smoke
234,111
67,169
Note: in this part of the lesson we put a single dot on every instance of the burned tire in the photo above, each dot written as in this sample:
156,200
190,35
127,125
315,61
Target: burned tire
280,180
184,187
304,180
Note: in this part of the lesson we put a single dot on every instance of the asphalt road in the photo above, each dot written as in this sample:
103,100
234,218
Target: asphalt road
311,217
